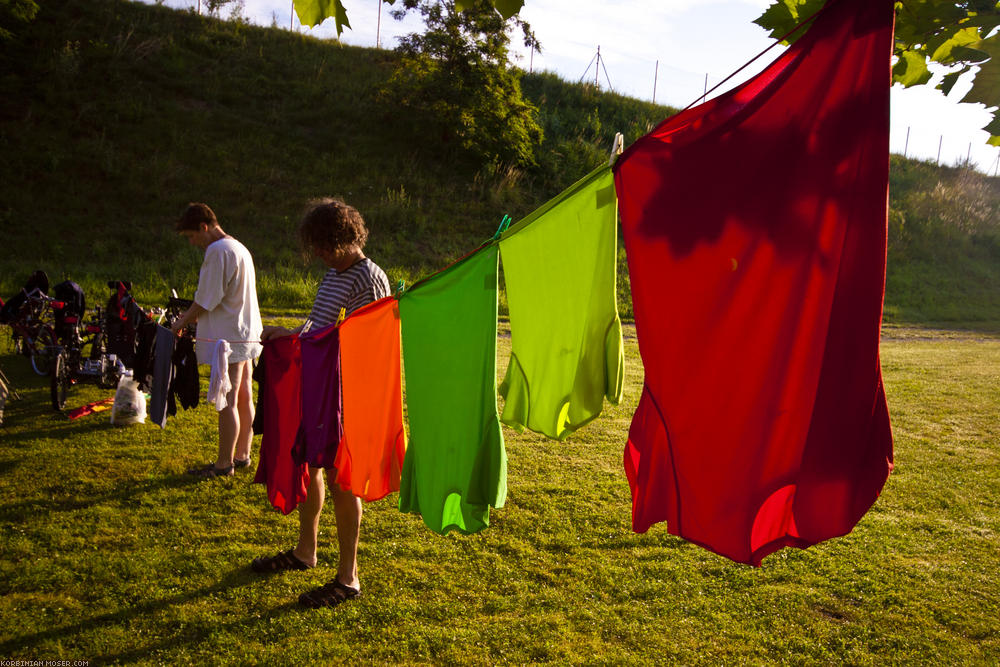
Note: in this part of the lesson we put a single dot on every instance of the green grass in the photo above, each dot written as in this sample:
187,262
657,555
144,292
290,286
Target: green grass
109,554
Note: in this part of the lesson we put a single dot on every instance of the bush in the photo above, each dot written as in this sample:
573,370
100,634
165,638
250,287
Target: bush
458,88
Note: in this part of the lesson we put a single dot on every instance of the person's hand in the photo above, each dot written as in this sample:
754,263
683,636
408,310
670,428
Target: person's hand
272,332
177,327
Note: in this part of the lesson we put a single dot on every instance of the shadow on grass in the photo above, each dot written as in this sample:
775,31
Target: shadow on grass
15,512
194,637
234,579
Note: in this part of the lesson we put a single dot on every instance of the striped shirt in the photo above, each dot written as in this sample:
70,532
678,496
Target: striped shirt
357,286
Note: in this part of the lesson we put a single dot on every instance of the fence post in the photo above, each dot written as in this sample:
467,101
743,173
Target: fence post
940,141
906,146
378,26
656,74
705,94
291,15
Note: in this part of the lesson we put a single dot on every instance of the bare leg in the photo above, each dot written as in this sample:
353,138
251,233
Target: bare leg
229,418
347,507
309,513
244,410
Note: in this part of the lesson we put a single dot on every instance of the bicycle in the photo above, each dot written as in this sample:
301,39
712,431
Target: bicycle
69,365
31,333
102,333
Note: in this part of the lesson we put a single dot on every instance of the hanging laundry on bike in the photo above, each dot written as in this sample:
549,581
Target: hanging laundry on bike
124,316
37,280
69,308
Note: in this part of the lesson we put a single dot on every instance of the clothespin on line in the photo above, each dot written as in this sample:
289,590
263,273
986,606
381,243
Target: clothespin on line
616,148
504,224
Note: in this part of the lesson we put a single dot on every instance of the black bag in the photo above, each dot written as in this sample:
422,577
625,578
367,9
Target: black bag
69,316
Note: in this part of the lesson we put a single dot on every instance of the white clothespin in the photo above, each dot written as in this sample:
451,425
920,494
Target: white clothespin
616,148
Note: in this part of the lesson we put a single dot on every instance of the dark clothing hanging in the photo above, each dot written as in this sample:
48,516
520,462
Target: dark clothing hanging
162,375
185,386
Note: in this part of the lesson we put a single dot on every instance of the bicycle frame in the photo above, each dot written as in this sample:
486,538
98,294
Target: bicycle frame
32,334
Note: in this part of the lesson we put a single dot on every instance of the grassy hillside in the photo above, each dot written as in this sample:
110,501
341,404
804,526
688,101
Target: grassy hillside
944,245
116,114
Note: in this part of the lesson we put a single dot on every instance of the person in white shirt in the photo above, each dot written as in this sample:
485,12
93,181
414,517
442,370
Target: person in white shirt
225,308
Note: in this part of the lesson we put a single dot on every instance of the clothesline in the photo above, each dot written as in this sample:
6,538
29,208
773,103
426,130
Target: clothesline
743,444
757,57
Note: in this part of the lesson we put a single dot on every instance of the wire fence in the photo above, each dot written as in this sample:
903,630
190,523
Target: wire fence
921,143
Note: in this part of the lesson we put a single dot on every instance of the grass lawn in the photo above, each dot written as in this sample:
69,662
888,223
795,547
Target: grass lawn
108,553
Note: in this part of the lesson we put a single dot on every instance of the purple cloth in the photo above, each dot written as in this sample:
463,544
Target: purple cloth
322,423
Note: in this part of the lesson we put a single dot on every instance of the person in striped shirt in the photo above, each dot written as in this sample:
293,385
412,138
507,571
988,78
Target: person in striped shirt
335,233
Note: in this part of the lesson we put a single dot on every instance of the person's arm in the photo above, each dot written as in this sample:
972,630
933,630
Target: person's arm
270,332
187,317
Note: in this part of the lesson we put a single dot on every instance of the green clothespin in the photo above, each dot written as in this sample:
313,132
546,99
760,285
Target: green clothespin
504,224
400,286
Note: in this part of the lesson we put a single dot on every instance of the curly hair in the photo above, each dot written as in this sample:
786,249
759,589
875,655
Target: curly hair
330,224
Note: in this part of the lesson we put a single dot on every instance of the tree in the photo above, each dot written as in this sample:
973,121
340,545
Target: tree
314,12
957,35
458,87
15,12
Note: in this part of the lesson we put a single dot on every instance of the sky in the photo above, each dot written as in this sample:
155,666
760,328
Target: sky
674,44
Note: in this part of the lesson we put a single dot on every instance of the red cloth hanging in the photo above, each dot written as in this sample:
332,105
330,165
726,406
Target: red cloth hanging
281,407
755,228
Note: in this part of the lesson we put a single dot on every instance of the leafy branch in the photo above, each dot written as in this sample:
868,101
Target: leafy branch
961,36
314,12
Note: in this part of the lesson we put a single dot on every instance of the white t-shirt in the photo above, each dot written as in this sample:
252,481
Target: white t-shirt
227,290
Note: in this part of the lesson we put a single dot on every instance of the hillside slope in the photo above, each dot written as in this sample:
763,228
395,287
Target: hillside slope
116,114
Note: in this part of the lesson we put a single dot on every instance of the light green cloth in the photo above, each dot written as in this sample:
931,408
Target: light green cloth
456,466
566,338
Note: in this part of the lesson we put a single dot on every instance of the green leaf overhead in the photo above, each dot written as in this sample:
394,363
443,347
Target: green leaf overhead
911,70
950,79
957,35
508,8
314,12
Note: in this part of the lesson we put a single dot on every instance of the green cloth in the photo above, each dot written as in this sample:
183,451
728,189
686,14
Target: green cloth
456,466
566,338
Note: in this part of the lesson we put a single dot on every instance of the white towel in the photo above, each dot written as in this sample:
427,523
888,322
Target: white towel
219,384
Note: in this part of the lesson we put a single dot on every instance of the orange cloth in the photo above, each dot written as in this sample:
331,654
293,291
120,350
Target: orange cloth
370,455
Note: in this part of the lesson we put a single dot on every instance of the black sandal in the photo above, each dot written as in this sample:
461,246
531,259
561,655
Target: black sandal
210,471
242,463
286,560
329,594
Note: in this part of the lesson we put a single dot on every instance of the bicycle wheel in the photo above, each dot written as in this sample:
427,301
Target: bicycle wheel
59,379
97,347
43,350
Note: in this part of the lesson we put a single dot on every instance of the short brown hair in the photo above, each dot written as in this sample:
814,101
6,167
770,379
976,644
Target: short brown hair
330,224
195,214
